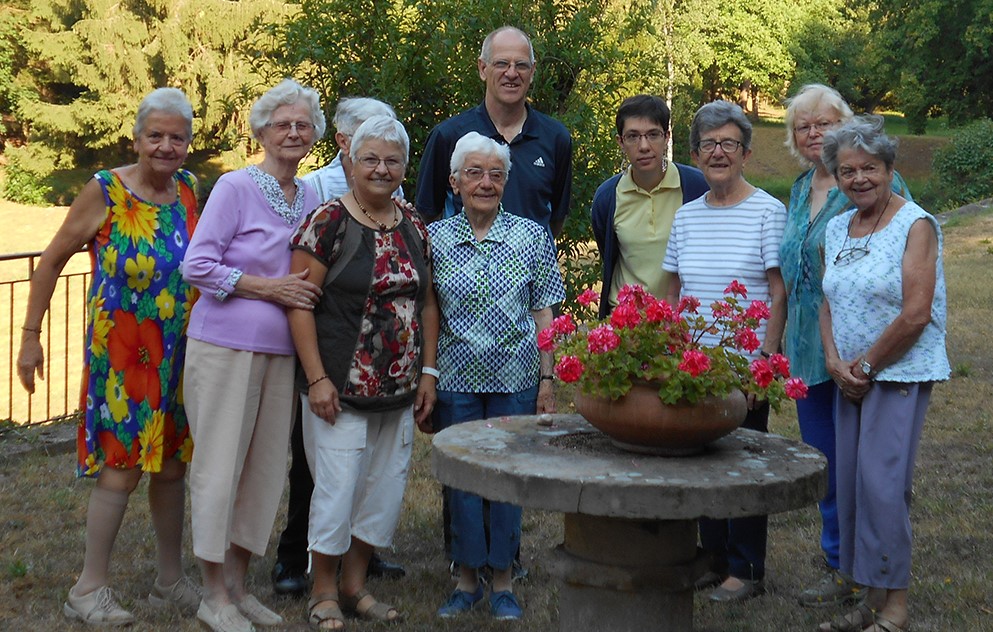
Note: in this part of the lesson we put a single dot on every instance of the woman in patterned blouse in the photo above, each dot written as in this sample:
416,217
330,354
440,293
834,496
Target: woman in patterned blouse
361,355
496,277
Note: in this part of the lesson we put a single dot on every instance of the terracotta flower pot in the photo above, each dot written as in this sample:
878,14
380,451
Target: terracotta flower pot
640,422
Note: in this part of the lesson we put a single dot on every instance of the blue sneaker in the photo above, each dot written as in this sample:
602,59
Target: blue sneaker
460,602
504,606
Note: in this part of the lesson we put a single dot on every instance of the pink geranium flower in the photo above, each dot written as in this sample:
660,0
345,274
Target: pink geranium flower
625,316
587,297
603,339
737,289
564,325
688,304
795,388
546,340
659,312
762,373
780,364
569,369
694,362
747,339
758,310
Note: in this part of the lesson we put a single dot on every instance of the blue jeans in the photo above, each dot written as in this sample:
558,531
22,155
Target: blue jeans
816,416
473,545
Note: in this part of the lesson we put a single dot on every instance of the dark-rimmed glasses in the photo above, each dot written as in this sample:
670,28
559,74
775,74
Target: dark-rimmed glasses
654,137
729,145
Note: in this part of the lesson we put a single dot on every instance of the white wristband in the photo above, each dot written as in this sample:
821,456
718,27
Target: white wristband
430,370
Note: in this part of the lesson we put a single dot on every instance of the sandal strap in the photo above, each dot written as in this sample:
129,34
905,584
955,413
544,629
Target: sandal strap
848,623
316,599
885,625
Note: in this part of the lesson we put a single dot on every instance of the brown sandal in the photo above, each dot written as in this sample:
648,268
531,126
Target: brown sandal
378,611
854,621
885,625
320,616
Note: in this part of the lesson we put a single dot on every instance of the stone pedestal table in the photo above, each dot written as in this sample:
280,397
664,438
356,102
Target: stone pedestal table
629,556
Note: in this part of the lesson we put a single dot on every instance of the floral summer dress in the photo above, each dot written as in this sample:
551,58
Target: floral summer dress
137,311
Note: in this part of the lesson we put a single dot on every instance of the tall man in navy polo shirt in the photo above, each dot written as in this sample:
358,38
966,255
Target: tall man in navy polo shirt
540,182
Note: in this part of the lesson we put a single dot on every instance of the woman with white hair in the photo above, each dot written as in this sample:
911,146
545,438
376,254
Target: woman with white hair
496,277
240,356
367,357
815,200
136,221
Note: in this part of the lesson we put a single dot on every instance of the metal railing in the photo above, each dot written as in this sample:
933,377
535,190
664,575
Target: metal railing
63,338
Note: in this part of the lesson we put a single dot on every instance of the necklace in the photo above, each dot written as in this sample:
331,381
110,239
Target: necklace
383,227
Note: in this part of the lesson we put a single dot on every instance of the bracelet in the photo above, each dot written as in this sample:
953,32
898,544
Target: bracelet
550,378
430,370
765,354
323,377
35,330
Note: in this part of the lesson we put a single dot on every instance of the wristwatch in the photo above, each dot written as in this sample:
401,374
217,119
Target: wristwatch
866,367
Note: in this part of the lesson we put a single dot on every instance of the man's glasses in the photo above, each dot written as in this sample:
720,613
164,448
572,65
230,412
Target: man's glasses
283,127
633,138
503,65
729,145
475,174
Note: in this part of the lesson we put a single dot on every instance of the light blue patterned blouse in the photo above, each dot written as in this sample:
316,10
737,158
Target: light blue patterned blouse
801,262
867,295
486,291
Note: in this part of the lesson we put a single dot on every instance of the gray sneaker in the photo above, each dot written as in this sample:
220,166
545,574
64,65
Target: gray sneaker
833,589
98,607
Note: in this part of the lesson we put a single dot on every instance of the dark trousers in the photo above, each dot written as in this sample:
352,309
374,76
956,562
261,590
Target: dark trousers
738,544
292,549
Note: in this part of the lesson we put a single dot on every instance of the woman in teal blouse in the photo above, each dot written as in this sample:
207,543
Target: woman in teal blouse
814,200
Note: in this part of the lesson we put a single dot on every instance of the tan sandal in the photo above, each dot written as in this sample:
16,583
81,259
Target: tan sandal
854,621
378,611
885,625
319,616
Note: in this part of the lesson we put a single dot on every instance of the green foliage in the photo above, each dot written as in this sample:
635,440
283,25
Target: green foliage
963,168
379,49
21,183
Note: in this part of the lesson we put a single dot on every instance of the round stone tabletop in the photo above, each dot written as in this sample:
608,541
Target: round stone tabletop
571,467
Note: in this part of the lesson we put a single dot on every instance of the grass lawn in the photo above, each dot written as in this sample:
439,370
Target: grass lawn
44,507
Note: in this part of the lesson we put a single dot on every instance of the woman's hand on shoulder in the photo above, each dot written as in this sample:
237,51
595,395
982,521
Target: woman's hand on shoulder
323,399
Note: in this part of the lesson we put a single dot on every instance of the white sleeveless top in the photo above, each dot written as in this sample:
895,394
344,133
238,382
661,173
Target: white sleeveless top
867,295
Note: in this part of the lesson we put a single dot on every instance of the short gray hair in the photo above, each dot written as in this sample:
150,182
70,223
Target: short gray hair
807,99
476,143
165,101
862,132
287,92
718,114
384,128
487,49
353,111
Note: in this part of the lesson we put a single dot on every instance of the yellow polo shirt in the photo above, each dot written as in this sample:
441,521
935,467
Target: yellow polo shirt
642,221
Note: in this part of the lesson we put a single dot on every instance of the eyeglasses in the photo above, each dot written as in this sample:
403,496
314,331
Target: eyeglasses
729,145
475,174
633,138
851,255
300,127
820,126
867,171
372,162
503,65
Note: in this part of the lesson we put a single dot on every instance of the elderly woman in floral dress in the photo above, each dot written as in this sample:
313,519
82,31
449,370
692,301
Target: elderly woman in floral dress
136,221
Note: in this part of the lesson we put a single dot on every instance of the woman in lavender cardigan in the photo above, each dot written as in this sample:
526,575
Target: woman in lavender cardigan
240,356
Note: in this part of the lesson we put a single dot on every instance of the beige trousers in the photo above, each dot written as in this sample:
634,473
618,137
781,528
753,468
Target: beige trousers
240,407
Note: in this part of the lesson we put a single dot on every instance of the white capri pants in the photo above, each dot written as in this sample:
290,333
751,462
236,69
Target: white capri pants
240,408
360,467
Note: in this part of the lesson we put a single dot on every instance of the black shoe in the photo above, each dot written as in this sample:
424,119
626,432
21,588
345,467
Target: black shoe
289,582
378,567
